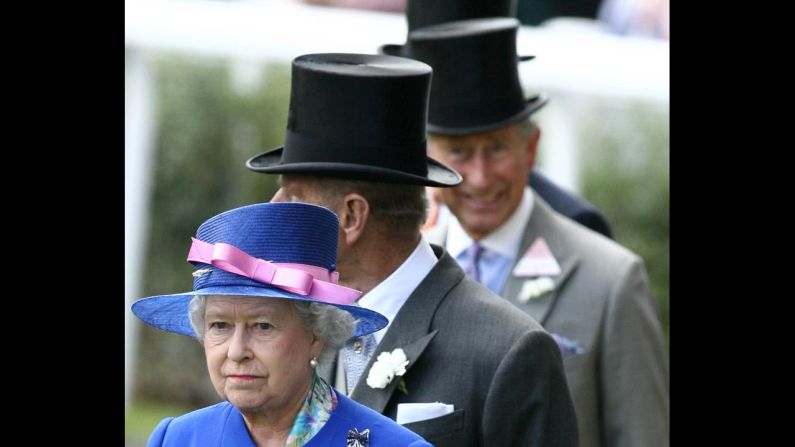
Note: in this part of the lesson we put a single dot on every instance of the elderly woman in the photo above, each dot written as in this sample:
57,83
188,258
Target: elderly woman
265,301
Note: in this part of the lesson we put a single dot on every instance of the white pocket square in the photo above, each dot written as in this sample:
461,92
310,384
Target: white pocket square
408,413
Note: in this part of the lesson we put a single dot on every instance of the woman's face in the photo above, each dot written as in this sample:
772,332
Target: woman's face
258,352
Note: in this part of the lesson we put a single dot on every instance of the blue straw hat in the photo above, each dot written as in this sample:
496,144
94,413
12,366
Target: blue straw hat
274,250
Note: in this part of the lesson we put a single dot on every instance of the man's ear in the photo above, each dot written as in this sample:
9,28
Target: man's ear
532,146
353,213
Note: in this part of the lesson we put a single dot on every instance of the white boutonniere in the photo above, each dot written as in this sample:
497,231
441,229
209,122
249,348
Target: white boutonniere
533,288
386,367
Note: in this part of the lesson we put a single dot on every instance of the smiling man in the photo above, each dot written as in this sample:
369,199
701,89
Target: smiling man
494,164
591,293
424,13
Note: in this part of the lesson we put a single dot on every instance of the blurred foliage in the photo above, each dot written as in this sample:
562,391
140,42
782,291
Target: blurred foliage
624,160
208,126
142,417
214,114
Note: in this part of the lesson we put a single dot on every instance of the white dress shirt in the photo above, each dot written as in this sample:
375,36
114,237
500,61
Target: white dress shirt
388,297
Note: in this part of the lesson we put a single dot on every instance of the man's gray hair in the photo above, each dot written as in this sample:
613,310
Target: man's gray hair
402,208
332,325
527,127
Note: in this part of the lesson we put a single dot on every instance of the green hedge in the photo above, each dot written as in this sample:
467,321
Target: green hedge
625,173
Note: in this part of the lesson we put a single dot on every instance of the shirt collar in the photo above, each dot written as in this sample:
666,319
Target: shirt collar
388,297
504,239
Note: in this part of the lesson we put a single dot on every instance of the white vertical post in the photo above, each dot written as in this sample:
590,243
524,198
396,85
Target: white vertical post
139,119
559,143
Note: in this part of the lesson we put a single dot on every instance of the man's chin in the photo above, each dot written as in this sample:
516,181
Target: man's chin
478,227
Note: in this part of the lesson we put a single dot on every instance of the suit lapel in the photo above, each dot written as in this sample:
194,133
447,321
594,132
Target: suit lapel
377,398
410,330
542,223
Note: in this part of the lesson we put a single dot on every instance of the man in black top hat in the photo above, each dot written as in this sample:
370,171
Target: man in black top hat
422,13
478,372
589,292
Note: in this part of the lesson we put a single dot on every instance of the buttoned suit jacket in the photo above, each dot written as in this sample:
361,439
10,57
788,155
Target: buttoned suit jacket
602,303
467,347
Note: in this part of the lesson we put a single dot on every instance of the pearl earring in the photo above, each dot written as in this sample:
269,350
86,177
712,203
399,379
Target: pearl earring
313,362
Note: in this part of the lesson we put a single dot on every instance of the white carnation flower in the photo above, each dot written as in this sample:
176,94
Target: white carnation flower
534,288
386,367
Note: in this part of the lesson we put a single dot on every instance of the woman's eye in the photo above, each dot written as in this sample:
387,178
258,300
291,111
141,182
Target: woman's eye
263,326
218,325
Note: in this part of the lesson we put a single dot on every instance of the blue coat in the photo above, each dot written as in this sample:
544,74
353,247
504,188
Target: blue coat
222,425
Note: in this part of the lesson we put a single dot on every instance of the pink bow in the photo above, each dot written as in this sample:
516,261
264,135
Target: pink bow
302,279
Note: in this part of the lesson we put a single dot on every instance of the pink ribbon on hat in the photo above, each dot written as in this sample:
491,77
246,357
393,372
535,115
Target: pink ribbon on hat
301,279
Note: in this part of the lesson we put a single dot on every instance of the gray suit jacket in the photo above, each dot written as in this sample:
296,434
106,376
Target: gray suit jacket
467,347
603,305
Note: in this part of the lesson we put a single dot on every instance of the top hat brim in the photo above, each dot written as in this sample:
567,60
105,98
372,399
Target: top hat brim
170,312
271,162
533,104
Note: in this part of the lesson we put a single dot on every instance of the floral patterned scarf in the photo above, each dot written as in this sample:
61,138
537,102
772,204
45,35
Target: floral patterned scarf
319,404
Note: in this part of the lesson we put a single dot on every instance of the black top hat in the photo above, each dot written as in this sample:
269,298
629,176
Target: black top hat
358,116
422,13
476,84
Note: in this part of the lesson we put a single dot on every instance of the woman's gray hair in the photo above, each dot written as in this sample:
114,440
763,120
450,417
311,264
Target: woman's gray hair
332,325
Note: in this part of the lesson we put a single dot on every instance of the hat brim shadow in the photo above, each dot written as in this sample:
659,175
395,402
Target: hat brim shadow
170,312
533,105
438,174
392,49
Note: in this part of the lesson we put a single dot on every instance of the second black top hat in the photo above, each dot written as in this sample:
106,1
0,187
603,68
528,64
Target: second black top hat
358,116
422,13
476,85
